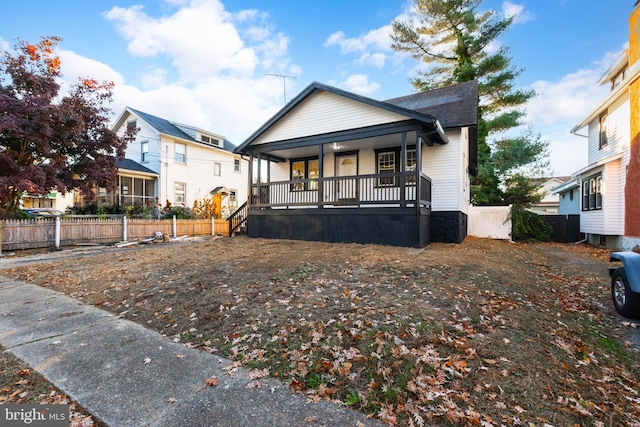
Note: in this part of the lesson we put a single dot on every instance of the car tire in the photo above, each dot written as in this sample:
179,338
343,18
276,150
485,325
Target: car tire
626,301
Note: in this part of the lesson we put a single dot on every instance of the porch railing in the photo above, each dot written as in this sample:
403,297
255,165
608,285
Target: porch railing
391,189
238,219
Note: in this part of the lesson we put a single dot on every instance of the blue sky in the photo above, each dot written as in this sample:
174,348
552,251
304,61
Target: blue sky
207,62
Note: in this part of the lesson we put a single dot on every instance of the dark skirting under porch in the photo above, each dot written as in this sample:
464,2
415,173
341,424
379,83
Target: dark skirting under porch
448,226
385,226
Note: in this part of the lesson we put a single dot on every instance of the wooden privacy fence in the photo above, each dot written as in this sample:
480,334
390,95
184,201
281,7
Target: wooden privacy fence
44,233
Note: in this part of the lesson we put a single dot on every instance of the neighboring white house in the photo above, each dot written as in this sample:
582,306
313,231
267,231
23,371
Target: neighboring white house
550,202
603,181
190,163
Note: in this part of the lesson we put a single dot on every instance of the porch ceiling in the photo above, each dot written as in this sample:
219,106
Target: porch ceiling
374,142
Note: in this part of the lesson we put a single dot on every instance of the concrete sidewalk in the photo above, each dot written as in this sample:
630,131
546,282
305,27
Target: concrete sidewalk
126,375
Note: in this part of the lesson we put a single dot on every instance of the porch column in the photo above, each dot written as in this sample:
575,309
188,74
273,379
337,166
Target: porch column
321,176
259,184
418,171
403,167
249,192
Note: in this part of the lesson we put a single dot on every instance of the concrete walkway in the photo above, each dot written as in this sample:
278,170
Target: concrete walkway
126,375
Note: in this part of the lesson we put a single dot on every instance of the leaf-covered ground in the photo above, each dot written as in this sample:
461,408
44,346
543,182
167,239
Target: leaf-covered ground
485,333
21,385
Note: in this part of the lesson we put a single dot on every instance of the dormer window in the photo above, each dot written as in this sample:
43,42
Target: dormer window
210,140
618,79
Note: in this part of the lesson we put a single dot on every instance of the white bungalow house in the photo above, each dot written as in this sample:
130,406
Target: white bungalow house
610,184
179,163
341,167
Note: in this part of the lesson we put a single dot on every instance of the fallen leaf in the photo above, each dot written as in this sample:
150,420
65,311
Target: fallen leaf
211,382
147,361
172,400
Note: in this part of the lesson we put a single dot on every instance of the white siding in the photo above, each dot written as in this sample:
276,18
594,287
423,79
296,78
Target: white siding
446,166
325,112
617,131
197,173
613,199
610,219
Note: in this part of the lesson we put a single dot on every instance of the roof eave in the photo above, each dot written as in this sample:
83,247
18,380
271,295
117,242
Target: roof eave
315,86
633,74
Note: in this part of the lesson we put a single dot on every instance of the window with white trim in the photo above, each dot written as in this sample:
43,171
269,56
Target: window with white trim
179,195
181,153
592,192
604,140
144,149
236,165
217,168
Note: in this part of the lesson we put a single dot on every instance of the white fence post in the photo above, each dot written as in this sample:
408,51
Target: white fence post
213,226
124,228
175,227
57,241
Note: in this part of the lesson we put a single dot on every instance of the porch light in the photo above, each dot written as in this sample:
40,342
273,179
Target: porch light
336,146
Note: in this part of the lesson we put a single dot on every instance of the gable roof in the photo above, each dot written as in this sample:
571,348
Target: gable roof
453,106
421,116
131,165
172,129
162,125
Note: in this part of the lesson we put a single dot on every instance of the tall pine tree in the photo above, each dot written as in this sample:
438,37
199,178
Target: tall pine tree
454,40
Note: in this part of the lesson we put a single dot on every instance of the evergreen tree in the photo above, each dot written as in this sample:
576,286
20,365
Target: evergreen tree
454,40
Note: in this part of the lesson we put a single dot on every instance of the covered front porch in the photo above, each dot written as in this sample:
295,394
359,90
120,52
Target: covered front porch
364,187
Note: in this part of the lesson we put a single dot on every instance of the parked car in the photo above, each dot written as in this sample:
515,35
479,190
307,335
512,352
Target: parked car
42,212
625,283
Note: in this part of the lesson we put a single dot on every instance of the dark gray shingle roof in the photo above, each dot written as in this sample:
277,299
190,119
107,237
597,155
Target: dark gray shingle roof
453,106
131,165
168,128
162,125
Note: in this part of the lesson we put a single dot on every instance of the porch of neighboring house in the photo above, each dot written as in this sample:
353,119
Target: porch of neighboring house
136,185
341,188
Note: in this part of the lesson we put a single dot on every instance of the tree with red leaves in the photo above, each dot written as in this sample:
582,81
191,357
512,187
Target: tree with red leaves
48,142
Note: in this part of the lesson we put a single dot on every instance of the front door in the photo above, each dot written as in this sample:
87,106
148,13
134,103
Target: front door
347,166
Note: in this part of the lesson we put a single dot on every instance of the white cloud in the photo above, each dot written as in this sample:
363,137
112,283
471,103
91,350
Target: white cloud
375,59
359,83
75,67
202,39
221,60
374,40
563,104
518,11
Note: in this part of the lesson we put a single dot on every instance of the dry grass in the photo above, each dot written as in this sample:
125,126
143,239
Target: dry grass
482,333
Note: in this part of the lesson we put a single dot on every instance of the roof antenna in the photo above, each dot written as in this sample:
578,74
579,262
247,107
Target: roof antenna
284,83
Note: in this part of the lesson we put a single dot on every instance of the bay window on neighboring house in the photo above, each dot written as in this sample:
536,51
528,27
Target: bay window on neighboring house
305,169
179,196
592,192
388,161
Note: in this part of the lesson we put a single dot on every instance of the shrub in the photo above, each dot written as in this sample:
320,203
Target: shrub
528,227
180,212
